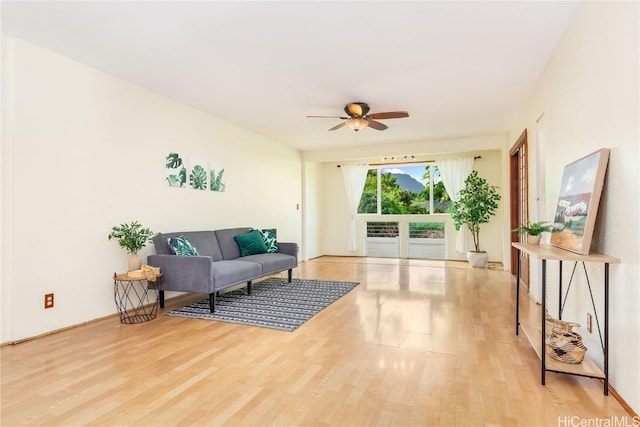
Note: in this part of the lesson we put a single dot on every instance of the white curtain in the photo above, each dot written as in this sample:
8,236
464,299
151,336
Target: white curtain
453,173
354,178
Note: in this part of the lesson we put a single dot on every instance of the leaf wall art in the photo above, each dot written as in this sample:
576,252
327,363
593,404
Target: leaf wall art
176,171
198,176
217,184
194,174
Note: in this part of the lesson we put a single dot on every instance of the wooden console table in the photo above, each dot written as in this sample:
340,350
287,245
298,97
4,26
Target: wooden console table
535,330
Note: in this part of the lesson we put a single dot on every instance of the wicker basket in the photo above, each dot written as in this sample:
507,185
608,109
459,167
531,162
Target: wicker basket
565,346
557,324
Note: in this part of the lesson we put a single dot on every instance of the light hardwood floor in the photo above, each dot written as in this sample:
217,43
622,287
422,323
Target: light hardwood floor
417,343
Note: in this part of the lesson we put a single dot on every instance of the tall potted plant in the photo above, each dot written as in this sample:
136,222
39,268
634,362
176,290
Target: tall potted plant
132,237
477,203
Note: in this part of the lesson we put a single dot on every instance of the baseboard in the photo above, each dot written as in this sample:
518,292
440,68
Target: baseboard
173,299
55,331
624,404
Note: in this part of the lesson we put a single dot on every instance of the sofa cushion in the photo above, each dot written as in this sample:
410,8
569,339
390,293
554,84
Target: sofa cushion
182,246
229,273
204,241
228,246
270,240
272,263
251,243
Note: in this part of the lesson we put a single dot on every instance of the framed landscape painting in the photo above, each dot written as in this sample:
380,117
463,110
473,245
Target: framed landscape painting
578,201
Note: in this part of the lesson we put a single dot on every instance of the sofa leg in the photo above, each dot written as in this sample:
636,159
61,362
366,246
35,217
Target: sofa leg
249,287
289,274
161,298
212,302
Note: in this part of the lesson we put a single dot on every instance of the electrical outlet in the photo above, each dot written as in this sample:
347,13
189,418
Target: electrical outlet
48,300
589,322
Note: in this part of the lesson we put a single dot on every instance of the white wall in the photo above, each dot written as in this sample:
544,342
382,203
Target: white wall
83,151
334,214
589,95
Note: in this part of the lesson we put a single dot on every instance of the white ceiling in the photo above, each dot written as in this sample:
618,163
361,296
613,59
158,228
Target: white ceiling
458,68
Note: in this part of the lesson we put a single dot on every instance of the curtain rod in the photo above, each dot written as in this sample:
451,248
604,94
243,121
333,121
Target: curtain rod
411,162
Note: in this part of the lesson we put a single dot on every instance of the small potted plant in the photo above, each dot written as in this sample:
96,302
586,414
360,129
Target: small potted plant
132,237
534,230
477,203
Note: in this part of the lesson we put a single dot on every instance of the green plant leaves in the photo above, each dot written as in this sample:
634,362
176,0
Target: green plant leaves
175,177
216,180
198,178
132,237
477,203
173,161
534,228
179,179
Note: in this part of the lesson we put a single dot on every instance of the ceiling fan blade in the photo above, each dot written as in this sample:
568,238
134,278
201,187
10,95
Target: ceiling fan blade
337,126
328,117
388,115
376,125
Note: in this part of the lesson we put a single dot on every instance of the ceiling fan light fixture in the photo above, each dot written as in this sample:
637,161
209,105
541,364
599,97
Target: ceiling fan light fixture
358,117
356,123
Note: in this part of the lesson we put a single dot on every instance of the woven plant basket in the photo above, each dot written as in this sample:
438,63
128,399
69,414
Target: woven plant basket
565,346
557,324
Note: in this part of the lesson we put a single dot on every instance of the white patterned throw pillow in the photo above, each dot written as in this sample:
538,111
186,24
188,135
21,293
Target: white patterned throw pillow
182,246
269,236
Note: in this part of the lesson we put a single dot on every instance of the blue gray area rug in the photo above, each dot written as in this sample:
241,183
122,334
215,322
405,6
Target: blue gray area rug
274,303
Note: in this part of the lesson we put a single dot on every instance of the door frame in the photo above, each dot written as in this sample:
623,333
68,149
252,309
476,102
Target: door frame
519,202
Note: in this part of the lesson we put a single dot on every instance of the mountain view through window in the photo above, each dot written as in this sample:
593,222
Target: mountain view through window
404,190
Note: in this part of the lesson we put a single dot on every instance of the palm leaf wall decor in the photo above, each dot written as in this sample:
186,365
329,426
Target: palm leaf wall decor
198,178
216,180
178,170
176,175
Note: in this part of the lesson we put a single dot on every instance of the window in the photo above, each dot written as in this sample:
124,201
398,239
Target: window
404,190
426,230
369,198
426,240
383,239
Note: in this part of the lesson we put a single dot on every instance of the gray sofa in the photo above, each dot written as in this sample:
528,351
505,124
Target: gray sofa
219,264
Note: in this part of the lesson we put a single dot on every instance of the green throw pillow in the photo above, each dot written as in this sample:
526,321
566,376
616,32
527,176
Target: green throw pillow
182,246
270,241
251,243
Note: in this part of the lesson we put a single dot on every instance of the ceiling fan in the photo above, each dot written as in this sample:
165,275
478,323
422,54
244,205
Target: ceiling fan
358,117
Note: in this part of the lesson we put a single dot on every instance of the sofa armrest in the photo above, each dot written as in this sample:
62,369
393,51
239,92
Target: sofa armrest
184,273
289,249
